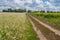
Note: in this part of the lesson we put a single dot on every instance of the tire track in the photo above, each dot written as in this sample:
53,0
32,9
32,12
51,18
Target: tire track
57,32
39,34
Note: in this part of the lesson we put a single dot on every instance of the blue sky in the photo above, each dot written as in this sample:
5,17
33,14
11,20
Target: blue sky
52,5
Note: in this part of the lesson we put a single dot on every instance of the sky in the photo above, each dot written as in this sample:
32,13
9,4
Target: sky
34,5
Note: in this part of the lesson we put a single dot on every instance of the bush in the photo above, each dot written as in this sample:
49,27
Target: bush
50,16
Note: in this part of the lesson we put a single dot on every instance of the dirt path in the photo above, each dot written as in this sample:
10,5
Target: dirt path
39,34
57,32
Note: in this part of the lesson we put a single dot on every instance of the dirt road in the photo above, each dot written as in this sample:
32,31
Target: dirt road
39,34
57,32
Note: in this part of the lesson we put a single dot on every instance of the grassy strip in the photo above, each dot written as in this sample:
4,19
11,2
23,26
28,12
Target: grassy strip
16,27
51,18
46,32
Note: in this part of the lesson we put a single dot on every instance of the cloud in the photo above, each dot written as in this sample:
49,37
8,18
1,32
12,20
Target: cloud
28,1
17,1
31,4
55,4
39,1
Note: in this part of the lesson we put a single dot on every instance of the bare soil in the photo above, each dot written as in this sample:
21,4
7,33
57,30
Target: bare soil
46,31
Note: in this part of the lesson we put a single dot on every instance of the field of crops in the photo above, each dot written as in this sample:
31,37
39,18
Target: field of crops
51,18
16,27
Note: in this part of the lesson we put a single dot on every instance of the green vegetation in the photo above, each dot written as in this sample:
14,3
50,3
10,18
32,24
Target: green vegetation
16,27
46,32
50,18
15,10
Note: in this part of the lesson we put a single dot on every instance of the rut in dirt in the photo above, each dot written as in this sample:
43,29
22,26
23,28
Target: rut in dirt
38,32
57,32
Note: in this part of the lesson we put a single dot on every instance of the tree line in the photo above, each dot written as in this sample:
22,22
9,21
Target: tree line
42,11
24,10
15,10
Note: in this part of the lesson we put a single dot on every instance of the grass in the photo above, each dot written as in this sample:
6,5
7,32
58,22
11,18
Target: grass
16,27
51,18
46,32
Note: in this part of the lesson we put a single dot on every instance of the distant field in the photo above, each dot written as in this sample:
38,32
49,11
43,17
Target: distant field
16,27
51,18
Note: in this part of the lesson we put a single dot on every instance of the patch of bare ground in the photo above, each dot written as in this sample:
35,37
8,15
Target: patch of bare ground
49,34
37,30
57,32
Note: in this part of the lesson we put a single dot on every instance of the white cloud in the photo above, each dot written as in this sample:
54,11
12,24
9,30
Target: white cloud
21,4
29,1
17,1
2,7
20,1
48,4
39,1
5,1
